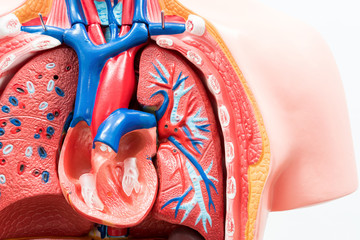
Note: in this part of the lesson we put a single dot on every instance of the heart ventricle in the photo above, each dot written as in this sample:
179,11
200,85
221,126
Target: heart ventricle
92,178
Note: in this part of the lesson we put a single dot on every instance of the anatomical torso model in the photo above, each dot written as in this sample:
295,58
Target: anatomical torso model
141,119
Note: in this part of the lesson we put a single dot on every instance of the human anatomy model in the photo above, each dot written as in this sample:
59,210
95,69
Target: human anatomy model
145,119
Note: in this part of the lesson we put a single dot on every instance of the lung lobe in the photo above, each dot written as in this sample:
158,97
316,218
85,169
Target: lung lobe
189,160
35,106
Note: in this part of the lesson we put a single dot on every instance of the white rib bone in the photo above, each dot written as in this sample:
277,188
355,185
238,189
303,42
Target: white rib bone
130,179
44,43
195,25
9,26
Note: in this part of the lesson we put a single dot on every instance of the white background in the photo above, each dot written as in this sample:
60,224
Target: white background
339,23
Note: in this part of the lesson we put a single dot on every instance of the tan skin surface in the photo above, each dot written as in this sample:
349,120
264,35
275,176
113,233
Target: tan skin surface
296,83
297,86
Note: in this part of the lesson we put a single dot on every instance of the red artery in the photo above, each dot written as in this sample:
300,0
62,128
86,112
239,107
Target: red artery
117,79
94,30
117,85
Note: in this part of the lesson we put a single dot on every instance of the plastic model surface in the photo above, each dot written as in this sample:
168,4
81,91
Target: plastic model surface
143,116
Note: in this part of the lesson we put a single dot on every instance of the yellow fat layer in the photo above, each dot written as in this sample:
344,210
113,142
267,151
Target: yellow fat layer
31,8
